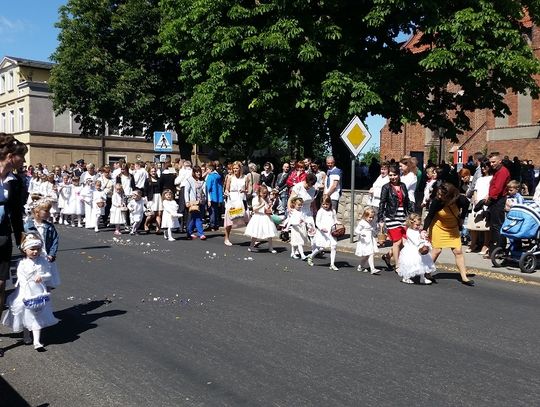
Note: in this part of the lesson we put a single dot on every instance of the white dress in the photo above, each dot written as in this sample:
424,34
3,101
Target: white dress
325,220
307,196
481,188
97,212
18,316
366,244
236,200
87,196
169,218
117,216
297,225
64,192
411,262
75,204
260,225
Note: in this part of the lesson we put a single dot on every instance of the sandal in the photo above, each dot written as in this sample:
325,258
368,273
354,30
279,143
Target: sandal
386,259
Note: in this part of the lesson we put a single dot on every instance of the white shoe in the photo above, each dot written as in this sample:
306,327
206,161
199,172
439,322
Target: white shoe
333,267
425,281
310,261
171,239
375,272
38,346
407,281
294,256
80,225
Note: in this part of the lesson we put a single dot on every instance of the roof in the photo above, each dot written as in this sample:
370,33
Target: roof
30,62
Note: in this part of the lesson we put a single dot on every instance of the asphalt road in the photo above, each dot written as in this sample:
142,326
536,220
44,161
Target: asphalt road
146,322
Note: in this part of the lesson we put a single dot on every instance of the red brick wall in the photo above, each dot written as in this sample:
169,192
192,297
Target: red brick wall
412,137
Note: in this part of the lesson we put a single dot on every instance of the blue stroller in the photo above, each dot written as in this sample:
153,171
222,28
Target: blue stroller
522,228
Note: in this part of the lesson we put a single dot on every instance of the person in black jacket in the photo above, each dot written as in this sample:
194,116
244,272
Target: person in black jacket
12,153
444,221
394,208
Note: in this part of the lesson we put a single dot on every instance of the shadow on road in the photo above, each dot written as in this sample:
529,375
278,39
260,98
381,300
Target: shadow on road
76,320
86,248
10,397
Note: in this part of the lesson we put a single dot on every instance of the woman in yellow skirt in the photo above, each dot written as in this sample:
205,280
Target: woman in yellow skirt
444,220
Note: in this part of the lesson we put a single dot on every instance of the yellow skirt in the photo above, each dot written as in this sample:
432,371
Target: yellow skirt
444,231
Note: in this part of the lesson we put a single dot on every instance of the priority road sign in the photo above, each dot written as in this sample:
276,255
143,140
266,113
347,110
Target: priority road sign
163,142
355,136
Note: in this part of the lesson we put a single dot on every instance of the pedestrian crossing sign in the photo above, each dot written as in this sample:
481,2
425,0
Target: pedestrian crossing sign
163,142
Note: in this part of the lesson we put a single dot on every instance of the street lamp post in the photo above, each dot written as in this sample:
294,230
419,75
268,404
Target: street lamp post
441,145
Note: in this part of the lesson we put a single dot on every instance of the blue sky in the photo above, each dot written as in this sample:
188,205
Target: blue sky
27,31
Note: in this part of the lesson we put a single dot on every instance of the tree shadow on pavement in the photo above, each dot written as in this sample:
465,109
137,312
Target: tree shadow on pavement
76,320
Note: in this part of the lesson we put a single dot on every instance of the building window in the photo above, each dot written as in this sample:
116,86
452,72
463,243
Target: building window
10,81
3,122
111,159
11,121
3,83
21,118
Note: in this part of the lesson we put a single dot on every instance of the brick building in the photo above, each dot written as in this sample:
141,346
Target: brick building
517,134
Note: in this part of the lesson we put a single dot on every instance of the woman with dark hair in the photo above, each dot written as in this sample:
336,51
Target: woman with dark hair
444,221
267,175
394,208
12,153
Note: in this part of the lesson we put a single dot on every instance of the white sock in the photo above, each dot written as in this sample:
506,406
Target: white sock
332,255
314,252
37,335
371,262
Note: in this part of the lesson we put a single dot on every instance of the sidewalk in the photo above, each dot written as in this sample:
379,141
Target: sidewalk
474,262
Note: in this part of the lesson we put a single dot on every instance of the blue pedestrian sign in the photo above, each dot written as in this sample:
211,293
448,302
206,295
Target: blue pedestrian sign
163,142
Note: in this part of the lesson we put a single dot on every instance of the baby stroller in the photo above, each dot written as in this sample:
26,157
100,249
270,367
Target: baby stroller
522,228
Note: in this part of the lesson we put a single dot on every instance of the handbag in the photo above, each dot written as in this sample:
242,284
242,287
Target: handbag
337,230
37,302
381,236
193,206
236,213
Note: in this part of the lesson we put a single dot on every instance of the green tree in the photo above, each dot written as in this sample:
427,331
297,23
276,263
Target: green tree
300,69
109,70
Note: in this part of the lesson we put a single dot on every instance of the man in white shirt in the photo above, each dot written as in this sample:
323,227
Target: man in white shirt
332,185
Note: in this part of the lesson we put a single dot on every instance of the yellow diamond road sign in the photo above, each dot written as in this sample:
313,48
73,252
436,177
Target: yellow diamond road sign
355,135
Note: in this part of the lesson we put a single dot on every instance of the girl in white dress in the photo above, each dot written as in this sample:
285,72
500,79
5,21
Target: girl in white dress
64,192
297,224
169,218
118,209
366,245
29,305
75,206
326,218
260,226
415,257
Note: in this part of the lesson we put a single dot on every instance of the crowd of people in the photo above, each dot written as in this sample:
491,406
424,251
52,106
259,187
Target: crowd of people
420,211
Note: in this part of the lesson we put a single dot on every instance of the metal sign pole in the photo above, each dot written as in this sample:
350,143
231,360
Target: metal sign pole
351,216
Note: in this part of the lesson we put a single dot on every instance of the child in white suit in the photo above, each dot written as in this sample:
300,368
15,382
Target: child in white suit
366,245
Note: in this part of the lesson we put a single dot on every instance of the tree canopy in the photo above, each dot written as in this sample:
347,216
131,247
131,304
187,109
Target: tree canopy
272,73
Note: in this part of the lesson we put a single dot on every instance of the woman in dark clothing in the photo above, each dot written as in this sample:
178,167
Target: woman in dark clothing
267,175
444,221
153,196
394,208
12,191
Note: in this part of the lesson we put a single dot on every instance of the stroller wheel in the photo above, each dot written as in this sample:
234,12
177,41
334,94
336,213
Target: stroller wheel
499,257
527,263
